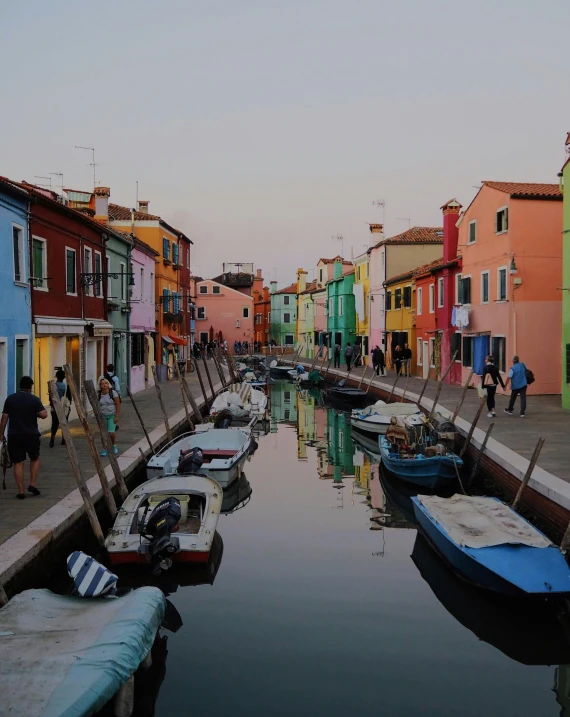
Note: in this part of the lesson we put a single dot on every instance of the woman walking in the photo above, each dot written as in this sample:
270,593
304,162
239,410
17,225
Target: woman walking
110,406
64,392
489,380
398,358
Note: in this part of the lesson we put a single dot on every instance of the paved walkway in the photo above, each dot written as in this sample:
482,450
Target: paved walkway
56,479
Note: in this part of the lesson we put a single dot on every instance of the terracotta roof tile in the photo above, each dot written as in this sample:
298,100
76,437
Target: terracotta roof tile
291,289
415,235
332,261
422,270
123,214
311,286
527,190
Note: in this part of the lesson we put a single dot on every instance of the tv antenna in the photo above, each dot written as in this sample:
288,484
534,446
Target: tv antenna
60,175
340,238
404,219
381,204
93,163
37,176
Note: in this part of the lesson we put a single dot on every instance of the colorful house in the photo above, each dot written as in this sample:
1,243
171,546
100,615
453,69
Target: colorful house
341,318
142,316
361,291
564,183
262,313
223,314
306,335
400,315
509,288
283,314
15,283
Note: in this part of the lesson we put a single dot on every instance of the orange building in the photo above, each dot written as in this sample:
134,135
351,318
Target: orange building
262,314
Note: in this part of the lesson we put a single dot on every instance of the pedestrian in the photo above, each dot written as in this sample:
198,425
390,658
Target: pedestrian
112,378
490,379
517,379
64,393
348,354
21,412
336,356
397,359
407,356
378,362
110,406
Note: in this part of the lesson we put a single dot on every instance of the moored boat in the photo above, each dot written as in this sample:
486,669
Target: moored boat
427,471
242,400
279,370
492,546
375,419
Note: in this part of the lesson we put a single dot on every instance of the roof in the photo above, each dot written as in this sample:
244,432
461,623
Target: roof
334,259
341,277
291,289
527,190
430,268
415,235
117,213
311,286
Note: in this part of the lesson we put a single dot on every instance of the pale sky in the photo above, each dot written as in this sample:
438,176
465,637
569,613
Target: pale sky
263,128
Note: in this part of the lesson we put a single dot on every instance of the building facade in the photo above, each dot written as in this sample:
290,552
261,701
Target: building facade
142,316
262,314
341,316
120,284
307,336
565,187
223,314
400,316
361,291
283,314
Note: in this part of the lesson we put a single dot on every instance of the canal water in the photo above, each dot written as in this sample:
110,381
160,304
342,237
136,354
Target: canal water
326,601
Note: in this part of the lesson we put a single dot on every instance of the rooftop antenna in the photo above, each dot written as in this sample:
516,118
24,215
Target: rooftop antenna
404,219
93,163
381,204
340,238
37,176
60,175
137,197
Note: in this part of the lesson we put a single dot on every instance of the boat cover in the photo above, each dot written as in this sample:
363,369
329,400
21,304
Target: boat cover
67,656
481,522
386,409
243,390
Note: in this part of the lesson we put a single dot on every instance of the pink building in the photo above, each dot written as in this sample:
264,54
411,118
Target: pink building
142,320
510,237
223,313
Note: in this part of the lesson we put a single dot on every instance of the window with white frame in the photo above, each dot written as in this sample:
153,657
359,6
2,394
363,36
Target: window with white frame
419,353
245,312
502,220
484,287
98,269
123,279
19,251
88,268
499,352
203,288
340,303
320,276
472,232
419,301
215,289
458,279
432,353
70,272
39,263
201,312
502,283
431,299
440,296
142,284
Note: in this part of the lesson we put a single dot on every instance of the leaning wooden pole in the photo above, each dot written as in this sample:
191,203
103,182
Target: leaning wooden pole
218,364
405,387
82,415
74,461
371,379
398,374
196,413
209,378
161,403
328,368
462,397
184,401
200,379
229,365
423,390
480,453
472,428
528,473
105,438
440,386
130,395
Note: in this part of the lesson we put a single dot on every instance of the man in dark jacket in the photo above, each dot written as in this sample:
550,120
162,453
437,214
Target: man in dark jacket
378,362
490,379
348,354
336,355
407,362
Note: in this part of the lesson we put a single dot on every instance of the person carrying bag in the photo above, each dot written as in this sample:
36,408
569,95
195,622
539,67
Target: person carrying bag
489,381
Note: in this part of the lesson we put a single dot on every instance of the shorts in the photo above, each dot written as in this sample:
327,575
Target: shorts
19,446
110,421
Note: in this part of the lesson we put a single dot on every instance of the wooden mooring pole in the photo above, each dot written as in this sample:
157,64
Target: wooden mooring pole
209,377
130,395
405,388
480,453
161,403
184,401
472,428
203,389
75,467
462,397
196,413
528,474
394,384
440,386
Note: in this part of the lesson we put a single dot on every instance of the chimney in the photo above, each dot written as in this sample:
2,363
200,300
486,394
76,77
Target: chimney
258,274
337,269
273,287
102,195
301,280
450,211
143,207
376,228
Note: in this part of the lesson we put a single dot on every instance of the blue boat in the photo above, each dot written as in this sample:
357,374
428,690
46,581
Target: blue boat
492,546
433,472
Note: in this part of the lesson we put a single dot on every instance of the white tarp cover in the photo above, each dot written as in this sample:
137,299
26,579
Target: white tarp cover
387,409
480,522
358,291
67,656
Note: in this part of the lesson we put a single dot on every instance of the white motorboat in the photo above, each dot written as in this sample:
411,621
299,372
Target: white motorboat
375,419
242,401
277,370
144,526
224,451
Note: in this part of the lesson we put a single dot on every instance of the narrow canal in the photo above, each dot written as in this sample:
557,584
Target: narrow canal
326,602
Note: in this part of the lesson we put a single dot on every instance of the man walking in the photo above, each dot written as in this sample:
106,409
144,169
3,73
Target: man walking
21,412
407,356
348,354
517,379
336,355
378,362
112,378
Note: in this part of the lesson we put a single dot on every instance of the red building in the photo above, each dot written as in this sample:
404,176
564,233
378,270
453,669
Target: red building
435,285
262,313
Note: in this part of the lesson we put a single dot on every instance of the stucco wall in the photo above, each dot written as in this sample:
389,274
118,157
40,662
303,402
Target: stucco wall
223,310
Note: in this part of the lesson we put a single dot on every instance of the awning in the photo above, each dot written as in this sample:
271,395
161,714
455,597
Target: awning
177,340
47,325
101,328
168,341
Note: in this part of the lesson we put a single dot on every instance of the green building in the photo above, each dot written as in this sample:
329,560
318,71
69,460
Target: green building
340,445
283,404
119,287
565,180
283,314
341,314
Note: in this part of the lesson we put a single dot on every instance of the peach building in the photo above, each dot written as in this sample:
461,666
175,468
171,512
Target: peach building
223,313
508,292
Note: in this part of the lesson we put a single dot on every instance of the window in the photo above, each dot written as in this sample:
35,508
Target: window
567,363
174,252
502,220
70,277
289,339
431,298
175,303
432,352
109,280
166,300
358,273
142,285
388,301
419,300
204,337
286,300
467,358
22,359
166,248
340,303
484,287
502,283
499,350
456,345
472,232
458,278
398,299
466,290
440,293
215,289
203,288
152,287
137,349
286,318
407,297
245,312
320,276
201,312
39,260
331,307
19,253
98,270
419,352
123,279
88,268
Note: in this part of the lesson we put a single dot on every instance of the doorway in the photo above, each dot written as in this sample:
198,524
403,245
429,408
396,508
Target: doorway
425,360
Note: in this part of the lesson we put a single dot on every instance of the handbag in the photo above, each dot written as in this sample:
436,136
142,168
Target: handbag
482,392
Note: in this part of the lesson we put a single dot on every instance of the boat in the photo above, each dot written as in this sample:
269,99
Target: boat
142,532
277,370
305,378
526,631
413,466
236,496
375,419
224,451
243,402
490,545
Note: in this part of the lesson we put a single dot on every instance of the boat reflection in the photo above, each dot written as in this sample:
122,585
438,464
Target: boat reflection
236,495
526,631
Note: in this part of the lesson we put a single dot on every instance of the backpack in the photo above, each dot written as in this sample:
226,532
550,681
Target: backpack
529,376
111,392
110,378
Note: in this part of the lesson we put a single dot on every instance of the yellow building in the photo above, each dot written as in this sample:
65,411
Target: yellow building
400,316
361,290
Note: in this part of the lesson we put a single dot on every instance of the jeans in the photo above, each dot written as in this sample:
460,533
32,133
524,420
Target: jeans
518,392
377,368
348,360
491,390
54,424
336,361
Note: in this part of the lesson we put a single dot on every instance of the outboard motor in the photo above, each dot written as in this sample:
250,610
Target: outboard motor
190,461
223,419
158,531
90,578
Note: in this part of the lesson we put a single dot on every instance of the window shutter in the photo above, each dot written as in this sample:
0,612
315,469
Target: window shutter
37,250
407,296
467,290
166,295
175,253
388,300
166,248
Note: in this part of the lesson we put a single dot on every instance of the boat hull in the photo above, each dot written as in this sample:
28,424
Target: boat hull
132,557
433,473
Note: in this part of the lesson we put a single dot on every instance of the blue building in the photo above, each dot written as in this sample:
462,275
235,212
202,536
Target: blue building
15,306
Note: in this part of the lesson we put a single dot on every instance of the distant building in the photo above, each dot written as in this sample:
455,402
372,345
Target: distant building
283,314
400,324
142,325
341,314
261,310
361,290
565,293
223,314
237,276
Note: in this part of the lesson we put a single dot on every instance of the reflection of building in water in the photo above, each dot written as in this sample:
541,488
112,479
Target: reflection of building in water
306,429
340,448
562,689
362,471
283,404
324,468
391,508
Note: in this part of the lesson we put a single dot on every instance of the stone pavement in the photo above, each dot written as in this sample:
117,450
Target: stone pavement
56,479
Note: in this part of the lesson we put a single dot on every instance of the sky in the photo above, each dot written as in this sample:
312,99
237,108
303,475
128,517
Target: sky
264,129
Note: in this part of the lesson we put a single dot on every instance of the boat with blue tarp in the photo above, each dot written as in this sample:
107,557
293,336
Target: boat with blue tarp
429,471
